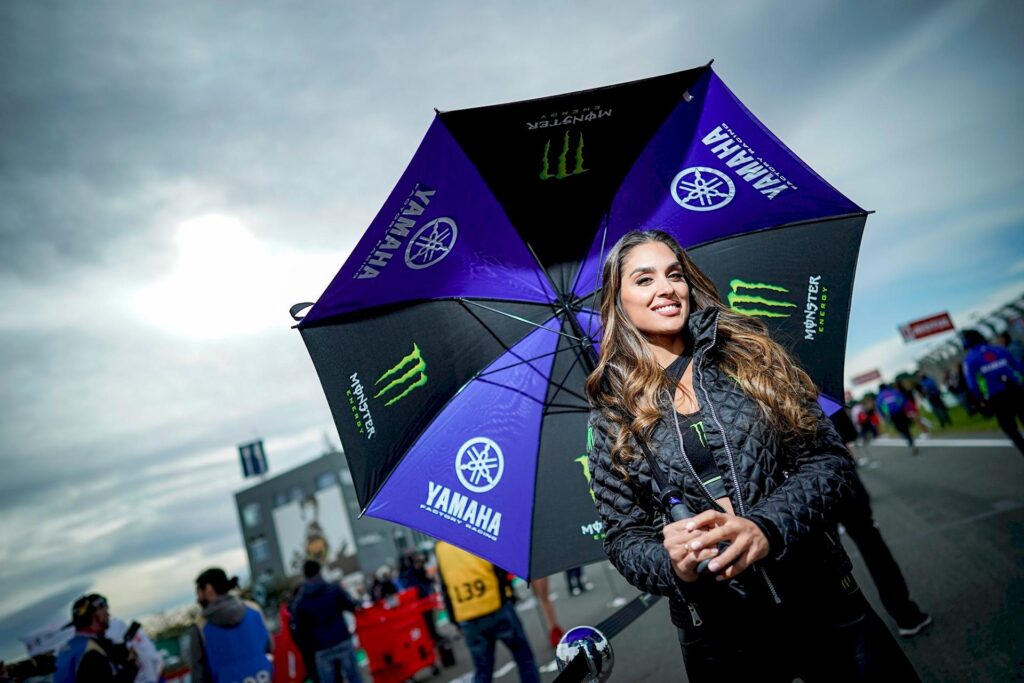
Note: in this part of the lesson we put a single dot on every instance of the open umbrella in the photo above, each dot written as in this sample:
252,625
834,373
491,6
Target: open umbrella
453,344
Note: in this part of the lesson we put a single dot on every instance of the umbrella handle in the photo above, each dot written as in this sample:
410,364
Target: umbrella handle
672,502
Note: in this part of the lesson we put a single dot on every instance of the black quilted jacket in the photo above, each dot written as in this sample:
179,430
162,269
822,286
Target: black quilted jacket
792,496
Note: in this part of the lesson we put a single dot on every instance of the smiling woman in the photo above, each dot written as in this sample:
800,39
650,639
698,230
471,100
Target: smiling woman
225,282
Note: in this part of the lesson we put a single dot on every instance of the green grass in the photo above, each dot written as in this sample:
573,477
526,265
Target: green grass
962,423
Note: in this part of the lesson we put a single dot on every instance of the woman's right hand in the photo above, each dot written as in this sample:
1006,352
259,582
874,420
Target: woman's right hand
677,545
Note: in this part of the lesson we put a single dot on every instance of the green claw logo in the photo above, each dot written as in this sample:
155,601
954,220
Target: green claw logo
562,172
584,460
755,304
413,377
698,429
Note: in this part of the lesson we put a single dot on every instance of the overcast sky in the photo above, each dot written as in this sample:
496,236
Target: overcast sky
174,175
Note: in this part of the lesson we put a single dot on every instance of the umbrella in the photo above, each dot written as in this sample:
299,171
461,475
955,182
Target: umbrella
453,343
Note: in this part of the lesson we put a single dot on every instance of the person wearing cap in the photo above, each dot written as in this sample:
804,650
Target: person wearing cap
89,657
230,642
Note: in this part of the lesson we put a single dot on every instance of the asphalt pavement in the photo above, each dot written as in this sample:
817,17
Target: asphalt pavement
953,516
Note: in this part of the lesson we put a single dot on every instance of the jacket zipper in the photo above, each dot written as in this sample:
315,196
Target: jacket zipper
728,452
694,616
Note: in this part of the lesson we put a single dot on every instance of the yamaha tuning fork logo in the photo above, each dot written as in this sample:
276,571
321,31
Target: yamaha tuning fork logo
431,243
700,188
480,464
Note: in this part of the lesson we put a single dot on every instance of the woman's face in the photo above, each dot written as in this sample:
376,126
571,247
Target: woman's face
654,293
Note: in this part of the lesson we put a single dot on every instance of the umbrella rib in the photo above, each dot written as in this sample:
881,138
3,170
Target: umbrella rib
566,409
561,385
515,317
513,389
522,361
600,271
505,346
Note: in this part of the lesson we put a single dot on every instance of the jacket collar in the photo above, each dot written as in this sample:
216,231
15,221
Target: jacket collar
703,327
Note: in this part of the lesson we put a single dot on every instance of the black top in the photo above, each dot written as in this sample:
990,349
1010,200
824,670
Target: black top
695,445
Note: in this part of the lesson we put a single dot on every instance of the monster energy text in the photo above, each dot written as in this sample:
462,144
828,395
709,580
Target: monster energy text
744,162
814,311
568,118
561,171
360,406
407,375
397,231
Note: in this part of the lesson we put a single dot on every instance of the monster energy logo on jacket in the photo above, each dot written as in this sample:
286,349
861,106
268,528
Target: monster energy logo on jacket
413,376
562,172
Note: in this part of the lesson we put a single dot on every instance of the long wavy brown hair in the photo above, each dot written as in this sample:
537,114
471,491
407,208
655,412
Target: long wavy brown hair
628,382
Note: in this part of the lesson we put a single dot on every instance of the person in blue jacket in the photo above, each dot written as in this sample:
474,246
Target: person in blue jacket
892,404
89,657
996,379
231,642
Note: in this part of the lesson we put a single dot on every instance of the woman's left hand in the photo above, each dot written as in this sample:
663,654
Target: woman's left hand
747,543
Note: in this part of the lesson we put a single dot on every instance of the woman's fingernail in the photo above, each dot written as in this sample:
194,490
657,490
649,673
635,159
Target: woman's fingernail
689,527
695,545
713,566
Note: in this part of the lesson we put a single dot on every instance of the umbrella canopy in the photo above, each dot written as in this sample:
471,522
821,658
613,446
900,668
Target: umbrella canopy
453,344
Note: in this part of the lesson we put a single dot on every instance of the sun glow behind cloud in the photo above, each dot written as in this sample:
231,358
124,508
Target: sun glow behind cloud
226,282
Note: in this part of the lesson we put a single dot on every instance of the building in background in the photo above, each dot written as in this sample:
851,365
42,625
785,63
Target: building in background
311,511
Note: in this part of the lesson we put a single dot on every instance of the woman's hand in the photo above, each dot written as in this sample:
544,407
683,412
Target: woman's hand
677,544
747,543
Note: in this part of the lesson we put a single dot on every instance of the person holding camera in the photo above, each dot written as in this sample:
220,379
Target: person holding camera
718,476
147,658
89,657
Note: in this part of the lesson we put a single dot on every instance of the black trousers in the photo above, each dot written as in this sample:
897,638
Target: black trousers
1008,407
902,424
777,644
856,517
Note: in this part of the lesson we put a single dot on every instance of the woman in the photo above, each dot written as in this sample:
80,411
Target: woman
733,423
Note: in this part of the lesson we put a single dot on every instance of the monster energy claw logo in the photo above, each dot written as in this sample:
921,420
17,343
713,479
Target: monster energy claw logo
584,460
755,304
698,429
562,172
413,376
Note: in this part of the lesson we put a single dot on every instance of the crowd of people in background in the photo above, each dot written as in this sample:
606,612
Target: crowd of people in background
987,381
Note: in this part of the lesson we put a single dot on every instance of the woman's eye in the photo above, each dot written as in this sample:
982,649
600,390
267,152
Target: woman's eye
643,280
676,276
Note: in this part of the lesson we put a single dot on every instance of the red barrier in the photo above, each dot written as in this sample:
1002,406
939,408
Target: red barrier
394,636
